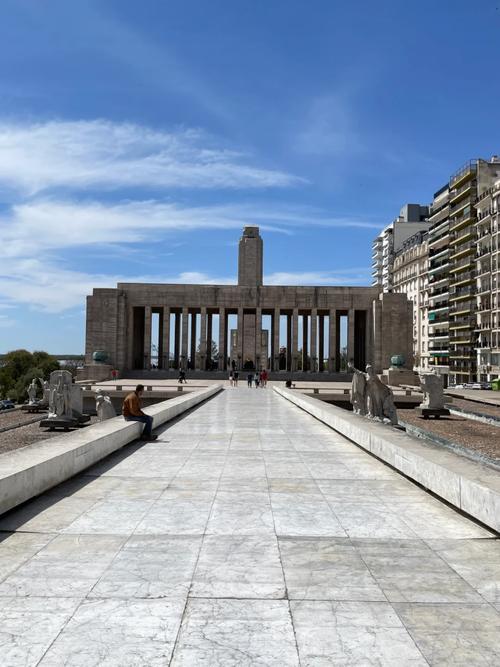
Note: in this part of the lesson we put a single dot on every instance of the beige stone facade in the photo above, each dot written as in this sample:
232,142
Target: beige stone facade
282,328
411,277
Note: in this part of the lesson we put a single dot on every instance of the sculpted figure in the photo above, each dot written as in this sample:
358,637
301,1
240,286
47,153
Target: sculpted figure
32,399
44,384
379,398
432,386
60,395
357,394
103,406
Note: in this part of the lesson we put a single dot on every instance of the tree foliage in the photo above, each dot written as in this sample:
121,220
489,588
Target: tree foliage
19,368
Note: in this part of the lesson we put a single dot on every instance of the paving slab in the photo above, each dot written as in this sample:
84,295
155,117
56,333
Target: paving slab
249,533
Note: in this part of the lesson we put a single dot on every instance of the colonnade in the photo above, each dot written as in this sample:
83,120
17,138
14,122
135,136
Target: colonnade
315,340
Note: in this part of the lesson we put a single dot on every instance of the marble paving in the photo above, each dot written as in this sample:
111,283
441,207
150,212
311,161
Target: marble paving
247,534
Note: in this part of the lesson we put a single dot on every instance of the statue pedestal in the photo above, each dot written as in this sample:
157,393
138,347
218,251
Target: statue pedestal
432,412
52,423
35,407
395,377
94,372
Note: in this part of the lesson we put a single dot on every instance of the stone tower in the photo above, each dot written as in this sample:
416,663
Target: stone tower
250,258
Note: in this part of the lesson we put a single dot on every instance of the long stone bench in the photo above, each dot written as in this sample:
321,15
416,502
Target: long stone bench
472,487
27,472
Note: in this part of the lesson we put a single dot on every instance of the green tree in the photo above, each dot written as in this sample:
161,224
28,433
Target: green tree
19,368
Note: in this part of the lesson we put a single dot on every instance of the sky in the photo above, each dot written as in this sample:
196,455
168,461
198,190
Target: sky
138,138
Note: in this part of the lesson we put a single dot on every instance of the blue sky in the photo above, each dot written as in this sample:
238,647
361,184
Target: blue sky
137,138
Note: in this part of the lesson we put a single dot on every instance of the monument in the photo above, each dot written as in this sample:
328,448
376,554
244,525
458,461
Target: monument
433,403
371,398
65,403
35,404
146,328
104,407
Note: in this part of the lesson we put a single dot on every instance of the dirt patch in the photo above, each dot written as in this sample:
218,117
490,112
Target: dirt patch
481,438
29,434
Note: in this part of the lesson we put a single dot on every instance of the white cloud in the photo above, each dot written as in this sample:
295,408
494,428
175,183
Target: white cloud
351,277
104,155
44,225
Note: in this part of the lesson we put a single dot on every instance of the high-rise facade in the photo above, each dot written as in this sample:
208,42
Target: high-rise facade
466,185
411,274
412,218
461,293
488,284
438,282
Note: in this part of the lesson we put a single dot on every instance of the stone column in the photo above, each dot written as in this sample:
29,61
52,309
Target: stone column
192,352
147,337
275,347
332,342
202,363
184,344
295,338
240,339
321,344
222,339
177,339
314,338
258,339
166,339
289,361
210,323
350,335
305,343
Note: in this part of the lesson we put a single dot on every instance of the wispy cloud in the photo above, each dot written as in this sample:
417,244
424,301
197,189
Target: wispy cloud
69,223
45,285
104,155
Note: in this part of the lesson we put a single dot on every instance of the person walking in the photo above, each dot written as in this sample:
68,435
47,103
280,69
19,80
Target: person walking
231,379
263,378
256,380
132,412
250,379
236,377
182,376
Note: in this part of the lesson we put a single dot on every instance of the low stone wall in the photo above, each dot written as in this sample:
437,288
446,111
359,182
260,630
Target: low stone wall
27,472
472,487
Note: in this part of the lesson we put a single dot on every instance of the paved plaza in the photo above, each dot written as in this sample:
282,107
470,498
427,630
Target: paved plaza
248,534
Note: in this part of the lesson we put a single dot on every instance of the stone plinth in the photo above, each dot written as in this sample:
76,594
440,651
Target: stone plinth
398,377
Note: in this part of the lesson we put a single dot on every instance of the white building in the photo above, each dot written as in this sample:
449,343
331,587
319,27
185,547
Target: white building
412,218
411,277
487,342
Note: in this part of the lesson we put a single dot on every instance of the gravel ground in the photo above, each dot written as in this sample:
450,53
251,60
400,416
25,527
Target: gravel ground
29,435
474,435
483,408
11,418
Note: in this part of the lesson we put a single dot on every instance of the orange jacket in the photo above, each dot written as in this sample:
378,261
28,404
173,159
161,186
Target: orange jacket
132,405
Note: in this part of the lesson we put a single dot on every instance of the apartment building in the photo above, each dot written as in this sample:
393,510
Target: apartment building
411,277
466,186
438,282
412,218
487,260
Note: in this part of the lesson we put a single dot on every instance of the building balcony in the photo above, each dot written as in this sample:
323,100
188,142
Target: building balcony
464,174
459,193
461,224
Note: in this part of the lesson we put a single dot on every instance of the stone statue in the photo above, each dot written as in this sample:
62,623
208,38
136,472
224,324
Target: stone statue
432,386
103,406
44,384
60,395
379,398
32,389
357,394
